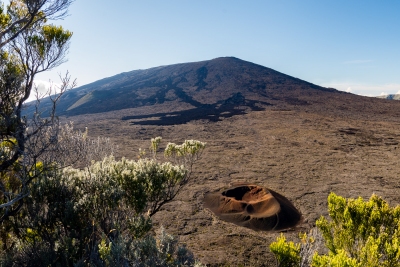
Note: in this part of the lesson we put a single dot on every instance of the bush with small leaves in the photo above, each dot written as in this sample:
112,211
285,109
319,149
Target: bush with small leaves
366,232
287,253
97,216
360,233
29,44
186,153
339,259
155,142
51,216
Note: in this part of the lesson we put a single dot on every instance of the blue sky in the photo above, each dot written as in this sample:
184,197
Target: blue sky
349,45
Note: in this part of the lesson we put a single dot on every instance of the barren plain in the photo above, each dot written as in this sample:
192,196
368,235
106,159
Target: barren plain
261,127
299,151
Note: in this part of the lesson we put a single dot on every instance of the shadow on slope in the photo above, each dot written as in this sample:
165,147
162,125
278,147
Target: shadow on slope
235,105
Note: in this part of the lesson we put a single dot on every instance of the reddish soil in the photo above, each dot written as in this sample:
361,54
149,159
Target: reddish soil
254,207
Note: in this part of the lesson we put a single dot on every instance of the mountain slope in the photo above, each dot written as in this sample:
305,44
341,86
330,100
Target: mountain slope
307,142
197,84
390,97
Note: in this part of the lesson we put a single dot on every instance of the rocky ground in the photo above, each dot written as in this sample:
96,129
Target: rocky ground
301,153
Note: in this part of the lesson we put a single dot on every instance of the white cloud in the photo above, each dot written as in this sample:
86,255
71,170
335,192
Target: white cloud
43,88
363,89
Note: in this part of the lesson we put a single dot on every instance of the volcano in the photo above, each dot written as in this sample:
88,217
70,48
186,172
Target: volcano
211,89
282,136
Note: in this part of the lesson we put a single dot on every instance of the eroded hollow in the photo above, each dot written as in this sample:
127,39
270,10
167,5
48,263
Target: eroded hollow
245,193
253,206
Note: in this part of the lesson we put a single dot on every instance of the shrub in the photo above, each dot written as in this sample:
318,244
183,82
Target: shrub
287,253
51,216
96,216
360,233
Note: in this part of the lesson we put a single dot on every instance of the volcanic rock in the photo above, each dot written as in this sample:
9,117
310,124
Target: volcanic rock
254,207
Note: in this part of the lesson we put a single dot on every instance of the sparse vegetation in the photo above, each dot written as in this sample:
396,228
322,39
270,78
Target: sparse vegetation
96,216
64,199
28,46
287,253
285,147
360,233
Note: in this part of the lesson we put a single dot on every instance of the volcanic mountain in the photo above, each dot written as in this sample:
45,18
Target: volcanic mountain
263,128
211,89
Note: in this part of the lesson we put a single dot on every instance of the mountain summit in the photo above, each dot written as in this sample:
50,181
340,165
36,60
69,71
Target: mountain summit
211,89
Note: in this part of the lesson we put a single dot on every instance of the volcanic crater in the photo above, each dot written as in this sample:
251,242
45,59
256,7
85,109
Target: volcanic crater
254,207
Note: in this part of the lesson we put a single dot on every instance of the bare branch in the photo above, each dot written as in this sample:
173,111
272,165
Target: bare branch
13,201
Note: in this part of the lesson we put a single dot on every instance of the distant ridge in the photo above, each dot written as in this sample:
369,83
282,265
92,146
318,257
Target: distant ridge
390,96
211,90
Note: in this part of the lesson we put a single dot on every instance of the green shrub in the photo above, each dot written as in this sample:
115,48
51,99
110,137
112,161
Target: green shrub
365,231
359,233
96,216
287,253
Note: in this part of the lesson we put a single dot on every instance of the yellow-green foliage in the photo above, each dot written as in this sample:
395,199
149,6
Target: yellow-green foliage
287,253
49,37
4,17
366,231
9,178
104,250
359,233
340,259
31,236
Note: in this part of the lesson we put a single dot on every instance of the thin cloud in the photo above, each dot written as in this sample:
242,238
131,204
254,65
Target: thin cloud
363,89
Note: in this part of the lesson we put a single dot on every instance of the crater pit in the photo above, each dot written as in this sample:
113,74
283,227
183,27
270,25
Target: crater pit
254,207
